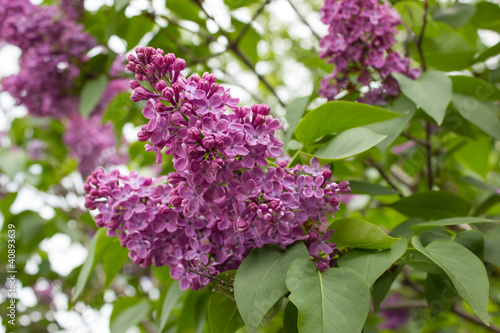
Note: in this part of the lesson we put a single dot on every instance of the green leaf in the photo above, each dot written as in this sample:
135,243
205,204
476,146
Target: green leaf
465,270
362,187
123,319
12,162
336,301
290,318
223,315
439,293
492,246
451,221
185,10
421,263
349,143
479,113
96,250
120,4
382,286
473,240
393,127
294,111
456,16
360,234
260,281
487,16
488,53
475,87
173,295
432,205
132,29
116,256
91,94
431,91
371,265
475,155
193,313
333,117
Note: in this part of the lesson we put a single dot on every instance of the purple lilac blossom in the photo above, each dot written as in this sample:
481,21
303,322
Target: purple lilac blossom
53,48
224,199
360,43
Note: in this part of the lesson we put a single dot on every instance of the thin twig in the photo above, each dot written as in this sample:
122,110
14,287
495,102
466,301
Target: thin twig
303,19
373,163
234,49
417,140
421,36
247,26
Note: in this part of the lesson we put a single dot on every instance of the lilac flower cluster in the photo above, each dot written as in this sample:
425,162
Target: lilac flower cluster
359,43
53,48
91,143
224,199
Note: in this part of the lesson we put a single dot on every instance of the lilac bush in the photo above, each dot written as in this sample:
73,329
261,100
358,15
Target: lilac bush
360,43
224,198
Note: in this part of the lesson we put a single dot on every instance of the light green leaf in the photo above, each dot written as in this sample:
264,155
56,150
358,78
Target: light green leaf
371,265
333,117
294,111
223,315
120,4
12,162
431,91
349,143
383,284
475,87
96,250
475,154
479,113
336,301
360,234
439,293
91,94
457,15
492,246
433,205
451,221
128,317
487,16
260,281
465,270
116,256
393,127
173,295
488,53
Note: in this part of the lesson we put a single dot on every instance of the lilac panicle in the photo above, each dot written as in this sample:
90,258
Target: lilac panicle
360,43
224,199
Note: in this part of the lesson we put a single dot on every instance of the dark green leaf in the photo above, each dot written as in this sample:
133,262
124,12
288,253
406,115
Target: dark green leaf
96,251
473,240
431,91
132,29
129,316
333,117
290,318
475,87
465,270
193,312
487,16
349,143
439,293
421,263
479,113
260,281
433,205
185,10
382,286
492,246
488,53
223,315
336,301
360,234
116,256
173,295
362,187
91,94
371,265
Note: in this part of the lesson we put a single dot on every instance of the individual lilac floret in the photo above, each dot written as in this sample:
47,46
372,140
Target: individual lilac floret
360,43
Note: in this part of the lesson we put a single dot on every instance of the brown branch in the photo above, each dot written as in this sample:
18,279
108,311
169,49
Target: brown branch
383,174
428,149
247,26
303,19
417,140
467,316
